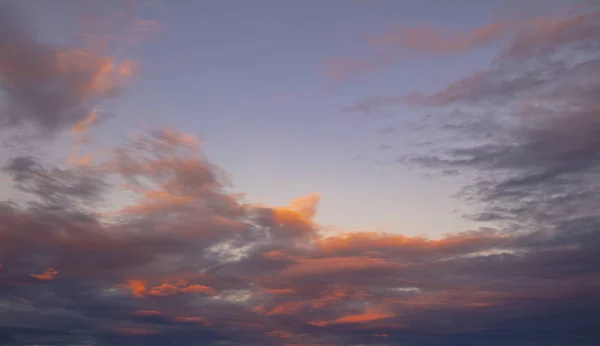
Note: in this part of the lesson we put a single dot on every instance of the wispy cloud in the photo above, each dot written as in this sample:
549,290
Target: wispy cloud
528,35
428,39
528,63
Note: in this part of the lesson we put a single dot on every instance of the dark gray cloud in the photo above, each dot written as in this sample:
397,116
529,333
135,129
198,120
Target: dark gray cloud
55,188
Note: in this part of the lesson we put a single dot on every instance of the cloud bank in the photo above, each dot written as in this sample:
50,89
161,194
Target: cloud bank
188,262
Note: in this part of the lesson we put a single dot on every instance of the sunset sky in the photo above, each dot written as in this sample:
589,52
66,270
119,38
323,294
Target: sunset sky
299,172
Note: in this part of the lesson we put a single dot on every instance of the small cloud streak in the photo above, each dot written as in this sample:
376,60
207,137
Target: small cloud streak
367,316
342,70
148,313
434,40
48,275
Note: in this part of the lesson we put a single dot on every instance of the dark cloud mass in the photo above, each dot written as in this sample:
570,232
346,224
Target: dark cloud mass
188,263
149,246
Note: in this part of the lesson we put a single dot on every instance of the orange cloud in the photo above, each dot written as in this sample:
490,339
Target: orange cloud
367,316
306,205
140,289
302,209
48,275
358,241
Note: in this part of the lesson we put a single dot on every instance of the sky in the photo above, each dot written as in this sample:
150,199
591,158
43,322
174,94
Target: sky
341,172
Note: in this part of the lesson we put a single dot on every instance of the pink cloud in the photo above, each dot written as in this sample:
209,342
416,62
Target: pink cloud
428,39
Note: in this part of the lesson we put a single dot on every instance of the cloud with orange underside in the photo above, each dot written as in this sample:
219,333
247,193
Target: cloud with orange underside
356,242
48,275
137,287
282,282
140,289
302,209
168,289
365,317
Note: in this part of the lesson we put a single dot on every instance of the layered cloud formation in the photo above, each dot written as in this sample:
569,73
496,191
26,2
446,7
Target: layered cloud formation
148,244
185,261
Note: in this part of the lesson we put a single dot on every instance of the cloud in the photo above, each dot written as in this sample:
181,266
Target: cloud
436,40
50,87
49,274
219,269
528,35
529,61
535,113
387,47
